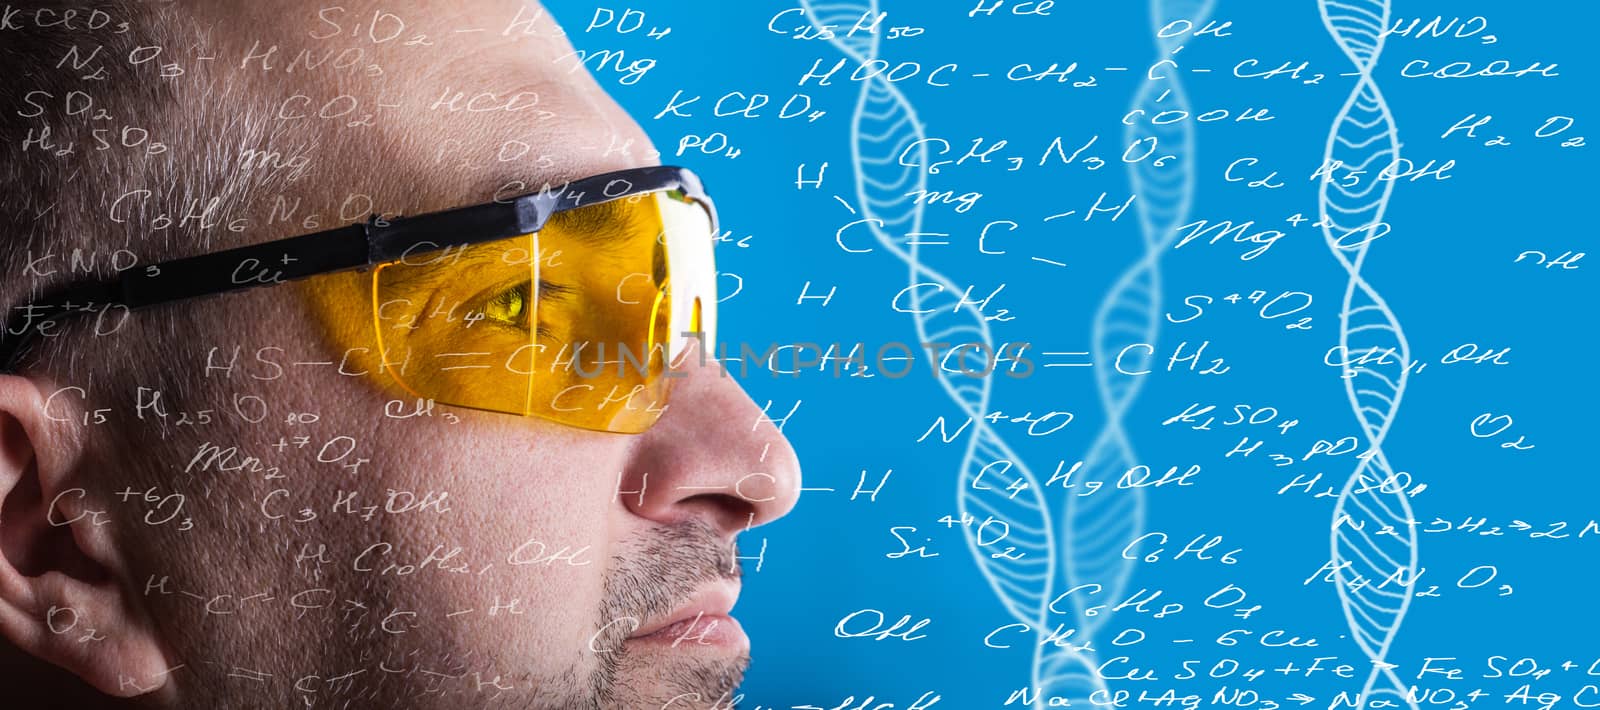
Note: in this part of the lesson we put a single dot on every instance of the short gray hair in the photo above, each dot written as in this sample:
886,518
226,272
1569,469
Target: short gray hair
112,114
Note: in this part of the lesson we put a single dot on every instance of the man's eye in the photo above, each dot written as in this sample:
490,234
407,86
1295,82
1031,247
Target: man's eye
515,305
512,306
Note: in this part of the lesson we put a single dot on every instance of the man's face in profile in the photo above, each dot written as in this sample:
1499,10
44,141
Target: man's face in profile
224,503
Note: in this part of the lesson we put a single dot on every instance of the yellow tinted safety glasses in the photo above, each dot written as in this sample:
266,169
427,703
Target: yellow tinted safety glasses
577,323
573,304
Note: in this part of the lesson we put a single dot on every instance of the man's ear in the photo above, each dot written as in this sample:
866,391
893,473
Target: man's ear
62,597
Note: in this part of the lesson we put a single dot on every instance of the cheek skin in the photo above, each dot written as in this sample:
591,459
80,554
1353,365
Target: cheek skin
531,505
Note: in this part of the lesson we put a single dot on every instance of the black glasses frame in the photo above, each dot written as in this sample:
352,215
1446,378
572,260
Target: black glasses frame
355,246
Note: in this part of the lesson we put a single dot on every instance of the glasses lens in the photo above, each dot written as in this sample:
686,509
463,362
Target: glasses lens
578,323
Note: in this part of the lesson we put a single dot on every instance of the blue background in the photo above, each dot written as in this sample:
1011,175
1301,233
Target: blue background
1446,270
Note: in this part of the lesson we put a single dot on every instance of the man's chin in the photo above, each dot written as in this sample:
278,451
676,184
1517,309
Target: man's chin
672,679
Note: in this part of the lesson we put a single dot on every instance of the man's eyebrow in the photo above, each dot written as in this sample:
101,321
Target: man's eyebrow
595,225
598,224
450,266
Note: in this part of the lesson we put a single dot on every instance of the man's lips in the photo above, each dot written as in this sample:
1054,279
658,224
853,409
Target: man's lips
703,618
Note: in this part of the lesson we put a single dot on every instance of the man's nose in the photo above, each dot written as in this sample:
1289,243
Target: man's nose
714,453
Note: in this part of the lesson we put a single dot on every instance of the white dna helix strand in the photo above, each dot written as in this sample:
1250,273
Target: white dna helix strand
1363,137
1095,528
